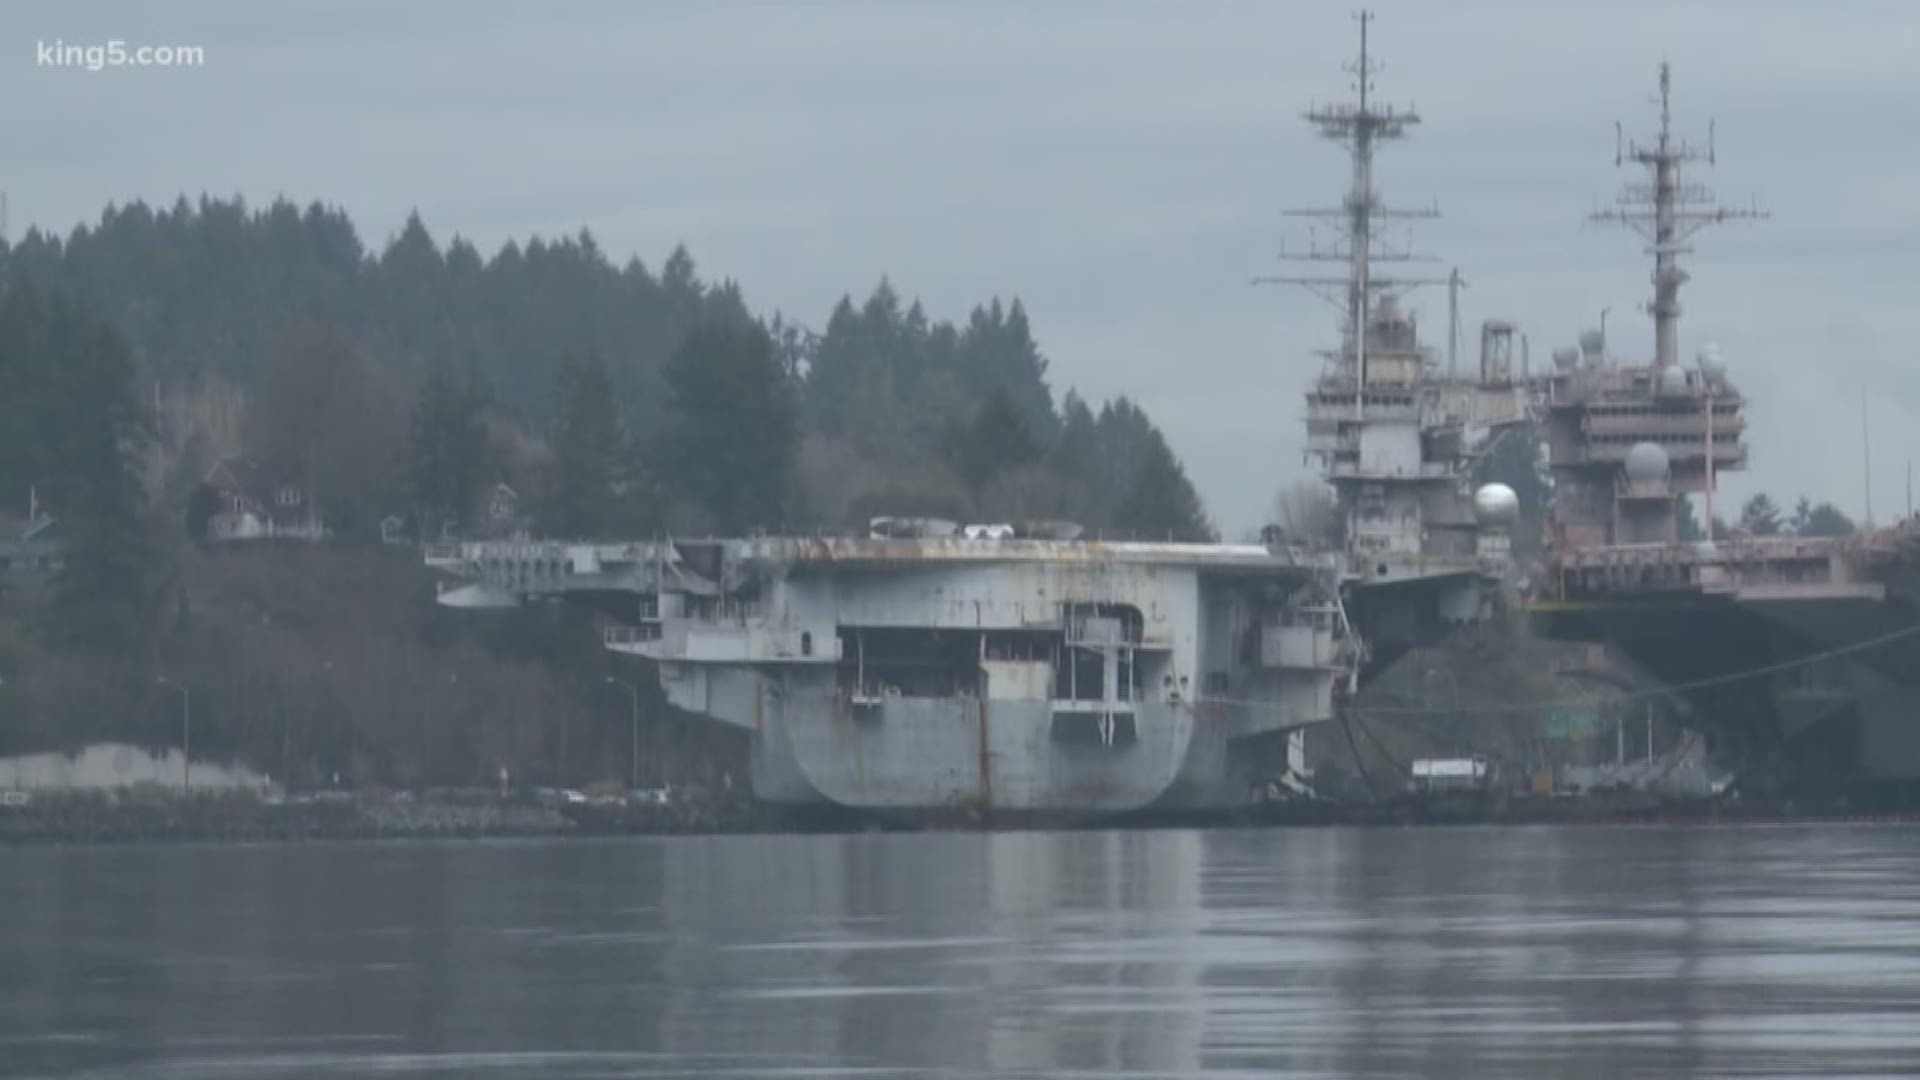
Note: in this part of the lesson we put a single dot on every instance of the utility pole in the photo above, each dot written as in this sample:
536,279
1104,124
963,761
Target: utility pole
186,731
1866,457
633,780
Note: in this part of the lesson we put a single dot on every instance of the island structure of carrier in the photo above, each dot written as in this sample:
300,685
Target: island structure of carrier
1395,433
1800,655
929,667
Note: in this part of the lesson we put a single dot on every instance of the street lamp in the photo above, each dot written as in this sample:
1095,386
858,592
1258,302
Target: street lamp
633,783
186,731
286,735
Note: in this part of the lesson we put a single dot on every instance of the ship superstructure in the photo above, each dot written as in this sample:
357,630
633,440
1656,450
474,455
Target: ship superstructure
1392,432
1799,654
1627,443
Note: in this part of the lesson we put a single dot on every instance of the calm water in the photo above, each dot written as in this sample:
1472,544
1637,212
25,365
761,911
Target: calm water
1783,951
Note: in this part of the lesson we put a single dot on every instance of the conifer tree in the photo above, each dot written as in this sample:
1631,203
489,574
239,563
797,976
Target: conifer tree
82,427
1759,516
449,453
997,440
730,435
324,419
589,447
1161,502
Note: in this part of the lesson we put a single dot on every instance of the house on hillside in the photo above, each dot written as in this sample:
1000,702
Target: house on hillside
495,515
395,530
500,517
29,546
251,503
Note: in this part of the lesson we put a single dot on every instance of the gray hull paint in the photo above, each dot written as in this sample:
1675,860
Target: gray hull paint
811,746
826,653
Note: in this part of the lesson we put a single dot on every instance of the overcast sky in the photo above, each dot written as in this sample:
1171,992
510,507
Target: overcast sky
1119,166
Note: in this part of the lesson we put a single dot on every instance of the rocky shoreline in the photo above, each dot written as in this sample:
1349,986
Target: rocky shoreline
120,817
126,818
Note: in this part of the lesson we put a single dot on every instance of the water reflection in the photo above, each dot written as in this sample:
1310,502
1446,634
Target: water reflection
1515,952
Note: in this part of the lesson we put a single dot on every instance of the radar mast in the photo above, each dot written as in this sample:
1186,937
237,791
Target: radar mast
1667,210
1360,125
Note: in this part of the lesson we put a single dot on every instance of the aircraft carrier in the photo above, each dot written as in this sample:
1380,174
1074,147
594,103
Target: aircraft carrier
1015,669
929,667
1021,669
1799,654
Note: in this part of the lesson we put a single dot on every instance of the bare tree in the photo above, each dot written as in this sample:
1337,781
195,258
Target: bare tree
1306,511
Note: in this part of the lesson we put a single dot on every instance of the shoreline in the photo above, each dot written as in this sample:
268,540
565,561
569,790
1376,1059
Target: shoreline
85,819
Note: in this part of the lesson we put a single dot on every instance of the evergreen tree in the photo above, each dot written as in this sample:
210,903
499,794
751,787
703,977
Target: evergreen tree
997,440
450,457
1823,519
1161,502
1514,458
80,419
589,445
1151,495
1686,522
1759,516
731,432
1076,450
211,287
794,347
325,419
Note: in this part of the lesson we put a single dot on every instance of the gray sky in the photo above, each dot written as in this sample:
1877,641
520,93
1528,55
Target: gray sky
1120,166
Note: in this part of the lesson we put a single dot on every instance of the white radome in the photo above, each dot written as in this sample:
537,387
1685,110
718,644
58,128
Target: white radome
1646,463
1673,381
1711,363
1495,505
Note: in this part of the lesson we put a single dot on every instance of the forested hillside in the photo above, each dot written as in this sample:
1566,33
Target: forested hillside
230,311
407,382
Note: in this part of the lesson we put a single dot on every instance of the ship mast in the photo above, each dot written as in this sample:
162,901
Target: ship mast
1667,210
1360,125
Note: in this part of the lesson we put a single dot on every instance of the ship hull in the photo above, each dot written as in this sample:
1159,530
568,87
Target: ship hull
1814,694
965,758
1006,677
